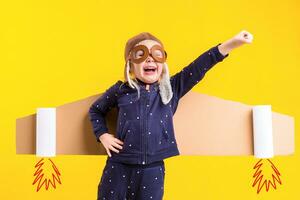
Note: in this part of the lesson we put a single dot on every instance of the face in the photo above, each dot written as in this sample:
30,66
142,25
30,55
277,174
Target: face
149,70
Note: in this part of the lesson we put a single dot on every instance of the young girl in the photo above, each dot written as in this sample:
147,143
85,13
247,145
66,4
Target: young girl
146,102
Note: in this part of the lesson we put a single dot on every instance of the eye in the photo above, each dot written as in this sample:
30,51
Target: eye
139,54
158,53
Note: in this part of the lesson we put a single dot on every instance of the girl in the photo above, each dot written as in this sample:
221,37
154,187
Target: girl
146,102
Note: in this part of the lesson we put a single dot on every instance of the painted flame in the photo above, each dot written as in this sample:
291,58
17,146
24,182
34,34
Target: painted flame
259,179
41,180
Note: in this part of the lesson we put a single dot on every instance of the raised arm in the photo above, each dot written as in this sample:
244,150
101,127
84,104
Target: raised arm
238,40
100,107
189,76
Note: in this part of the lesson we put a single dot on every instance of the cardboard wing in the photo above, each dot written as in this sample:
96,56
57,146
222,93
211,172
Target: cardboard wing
204,125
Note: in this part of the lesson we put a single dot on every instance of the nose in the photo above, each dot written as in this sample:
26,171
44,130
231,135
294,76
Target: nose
149,59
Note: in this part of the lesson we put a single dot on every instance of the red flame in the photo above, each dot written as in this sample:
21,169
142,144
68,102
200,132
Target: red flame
264,182
45,181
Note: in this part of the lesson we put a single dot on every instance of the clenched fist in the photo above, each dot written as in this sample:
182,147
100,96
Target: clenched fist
243,37
110,142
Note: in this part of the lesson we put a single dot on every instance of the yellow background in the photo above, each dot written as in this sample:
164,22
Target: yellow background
56,52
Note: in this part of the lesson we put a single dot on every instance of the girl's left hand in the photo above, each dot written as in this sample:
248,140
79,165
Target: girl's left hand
242,38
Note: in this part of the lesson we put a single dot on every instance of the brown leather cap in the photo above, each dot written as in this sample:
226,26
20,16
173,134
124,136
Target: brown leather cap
136,39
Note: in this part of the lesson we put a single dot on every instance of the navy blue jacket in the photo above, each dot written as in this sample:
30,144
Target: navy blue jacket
145,125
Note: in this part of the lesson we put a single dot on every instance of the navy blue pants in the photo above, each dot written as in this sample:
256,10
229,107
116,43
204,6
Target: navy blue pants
121,181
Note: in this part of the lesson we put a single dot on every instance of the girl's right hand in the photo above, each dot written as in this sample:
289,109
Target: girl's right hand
110,142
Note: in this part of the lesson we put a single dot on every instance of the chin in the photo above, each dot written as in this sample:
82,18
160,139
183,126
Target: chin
149,80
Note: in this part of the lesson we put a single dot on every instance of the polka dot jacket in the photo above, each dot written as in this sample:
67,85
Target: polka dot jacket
145,124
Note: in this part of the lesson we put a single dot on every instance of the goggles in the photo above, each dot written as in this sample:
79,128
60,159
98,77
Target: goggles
140,53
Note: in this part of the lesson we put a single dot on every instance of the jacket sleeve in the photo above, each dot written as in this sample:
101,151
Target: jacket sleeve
100,108
189,76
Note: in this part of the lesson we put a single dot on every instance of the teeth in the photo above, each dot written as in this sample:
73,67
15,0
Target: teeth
149,68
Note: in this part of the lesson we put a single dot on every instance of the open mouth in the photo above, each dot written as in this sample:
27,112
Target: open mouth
150,69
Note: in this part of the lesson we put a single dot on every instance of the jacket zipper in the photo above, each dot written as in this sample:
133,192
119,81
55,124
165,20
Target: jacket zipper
143,130
146,129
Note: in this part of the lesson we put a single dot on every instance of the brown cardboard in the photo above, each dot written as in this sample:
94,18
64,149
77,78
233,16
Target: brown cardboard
204,125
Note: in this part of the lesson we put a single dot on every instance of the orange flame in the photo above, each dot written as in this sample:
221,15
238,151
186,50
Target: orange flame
47,181
258,175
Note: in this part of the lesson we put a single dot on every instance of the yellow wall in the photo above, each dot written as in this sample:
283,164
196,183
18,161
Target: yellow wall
55,52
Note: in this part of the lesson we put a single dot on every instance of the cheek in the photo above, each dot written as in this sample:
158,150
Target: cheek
137,69
159,69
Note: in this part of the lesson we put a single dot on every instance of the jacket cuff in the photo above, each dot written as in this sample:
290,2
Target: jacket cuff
99,133
218,54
